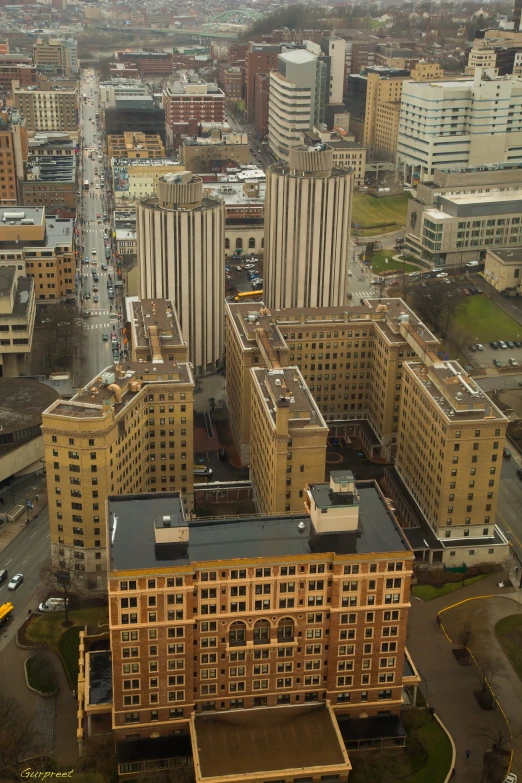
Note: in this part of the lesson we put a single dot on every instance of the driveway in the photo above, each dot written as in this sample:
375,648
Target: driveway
449,687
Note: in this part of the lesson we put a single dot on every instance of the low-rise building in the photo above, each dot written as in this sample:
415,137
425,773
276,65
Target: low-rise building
346,153
135,179
215,151
50,182
17,312
231,79
41,248
458,228
503,268
244,211
135,146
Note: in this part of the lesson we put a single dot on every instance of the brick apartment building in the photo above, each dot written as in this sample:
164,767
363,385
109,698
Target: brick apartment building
187,105
221,617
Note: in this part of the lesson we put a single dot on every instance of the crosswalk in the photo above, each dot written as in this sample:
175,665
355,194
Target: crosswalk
365,294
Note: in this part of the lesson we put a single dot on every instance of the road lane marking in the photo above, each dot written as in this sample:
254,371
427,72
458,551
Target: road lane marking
33,534
44,558
25,561
8,562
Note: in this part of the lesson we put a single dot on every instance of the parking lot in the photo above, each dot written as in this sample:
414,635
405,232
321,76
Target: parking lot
488,356
237,271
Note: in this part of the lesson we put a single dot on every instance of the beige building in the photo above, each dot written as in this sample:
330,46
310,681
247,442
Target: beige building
136,179
458,228
251,614
306,257
459,122
455,480
382,93
181,256
42,249
288,451
503,268
481,56
128,431
135,146
17,312
56,55
201,154
47,110
346,152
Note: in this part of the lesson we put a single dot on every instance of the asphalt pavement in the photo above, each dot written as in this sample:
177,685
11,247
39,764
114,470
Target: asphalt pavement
509,506
24,555
96,353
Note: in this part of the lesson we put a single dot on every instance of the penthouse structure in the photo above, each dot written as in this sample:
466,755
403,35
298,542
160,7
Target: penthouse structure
129,429
226,619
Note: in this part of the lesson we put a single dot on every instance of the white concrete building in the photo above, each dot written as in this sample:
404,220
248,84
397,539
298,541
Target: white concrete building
181,256
468,122
307,231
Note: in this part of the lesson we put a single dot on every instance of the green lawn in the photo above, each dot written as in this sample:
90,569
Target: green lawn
426,758
39,674
428,592
509,633
69,645
378,262
370,212
484,321
48,627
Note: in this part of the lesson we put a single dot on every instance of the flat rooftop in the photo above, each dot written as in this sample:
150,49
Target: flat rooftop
454,393
13,216
23,402
143,162
233,193
132,520
155,312
243,742
285,387
508,255
7,275
100,677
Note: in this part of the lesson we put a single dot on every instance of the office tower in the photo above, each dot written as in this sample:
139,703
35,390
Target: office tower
261,58
181,256
468,122
455,481
265,611
13,155
289,447
335,50
296,99
56,56
47,110
307,230
129,430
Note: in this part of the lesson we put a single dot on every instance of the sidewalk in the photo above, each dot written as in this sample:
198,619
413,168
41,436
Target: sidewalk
26,488
448,686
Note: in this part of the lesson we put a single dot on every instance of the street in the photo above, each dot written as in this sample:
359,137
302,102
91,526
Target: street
24,555
96,353
509,517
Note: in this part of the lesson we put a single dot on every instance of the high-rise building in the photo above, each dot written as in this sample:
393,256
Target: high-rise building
289,447
470,122
191,102
128,431
208,617
13,155
260,58
455,481
56,56
181,256
47,110
307,230
352,364
335,50
296,99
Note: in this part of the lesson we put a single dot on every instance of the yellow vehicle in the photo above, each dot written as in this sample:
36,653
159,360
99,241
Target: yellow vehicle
5,613
246,295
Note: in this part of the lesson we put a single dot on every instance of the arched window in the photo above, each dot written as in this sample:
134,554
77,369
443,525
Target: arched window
239,243
285,630
227,243
252,242
237,635
262,632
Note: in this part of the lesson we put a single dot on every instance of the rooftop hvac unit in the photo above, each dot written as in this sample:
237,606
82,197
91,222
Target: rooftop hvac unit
108,378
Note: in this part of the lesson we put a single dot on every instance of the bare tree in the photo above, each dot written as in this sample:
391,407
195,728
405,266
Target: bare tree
465,635
16,733
509,565
434,304
63,576
489,675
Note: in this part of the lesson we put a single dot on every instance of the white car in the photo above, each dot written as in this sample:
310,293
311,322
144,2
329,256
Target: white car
93,251
480,347
15,582
442,274
502,344
510,778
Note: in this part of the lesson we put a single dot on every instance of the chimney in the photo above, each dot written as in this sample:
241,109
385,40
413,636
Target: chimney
282,413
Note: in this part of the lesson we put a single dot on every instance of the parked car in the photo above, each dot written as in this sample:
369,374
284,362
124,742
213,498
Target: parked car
15,582
518,344
465,291
480,347
497,362
510,344
506,452
513,362
52,605
95,298
442,274
494,345
3,575
473,348
502,344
